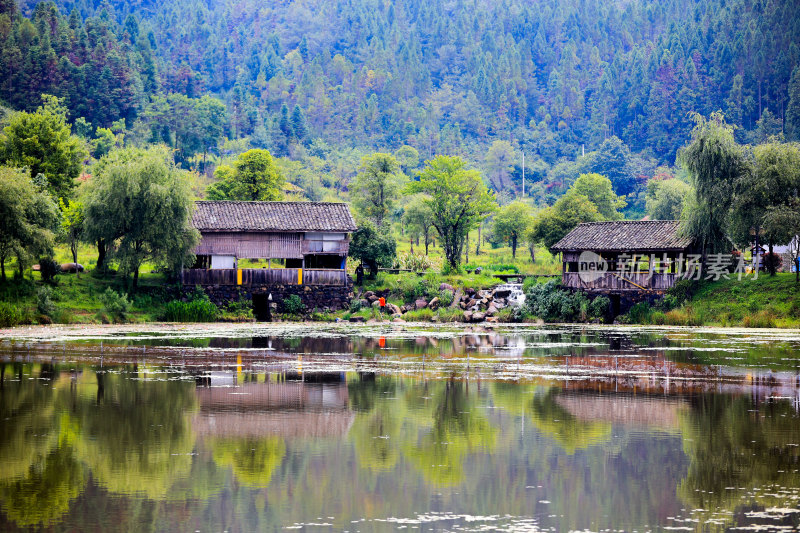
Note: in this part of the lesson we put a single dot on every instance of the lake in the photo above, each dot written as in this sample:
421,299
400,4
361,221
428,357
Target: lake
399,427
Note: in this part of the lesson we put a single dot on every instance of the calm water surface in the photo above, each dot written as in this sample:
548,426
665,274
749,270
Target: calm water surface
339,428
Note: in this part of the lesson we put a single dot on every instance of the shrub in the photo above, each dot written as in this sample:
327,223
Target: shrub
450,315
44,302
551,303
446,297
115,304
10,315
762,319
682,291
419,315
199,309
355,305
599,307
639,313
48,269
414,262
240,309
293,305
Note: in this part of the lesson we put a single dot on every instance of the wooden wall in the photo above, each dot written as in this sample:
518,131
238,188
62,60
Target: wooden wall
251,245
620,282
264,276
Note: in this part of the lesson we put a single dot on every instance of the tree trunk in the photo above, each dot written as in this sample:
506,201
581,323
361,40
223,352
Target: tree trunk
466,251
411,241
514,247
532,250
101,253
3,267
427,241
135,280
772,265
478,246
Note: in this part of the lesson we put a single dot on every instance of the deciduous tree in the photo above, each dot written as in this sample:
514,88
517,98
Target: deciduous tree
377,186
142,203
458,200
511,223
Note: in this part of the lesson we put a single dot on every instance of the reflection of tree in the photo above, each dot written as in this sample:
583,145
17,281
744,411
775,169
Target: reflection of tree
137,440
252,459
459,427
732,444
376,428
44,494
551,418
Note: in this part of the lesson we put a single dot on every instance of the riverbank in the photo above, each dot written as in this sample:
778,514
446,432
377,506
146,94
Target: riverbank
765,302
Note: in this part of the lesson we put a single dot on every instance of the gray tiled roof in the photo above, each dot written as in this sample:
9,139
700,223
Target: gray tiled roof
621,236
273,216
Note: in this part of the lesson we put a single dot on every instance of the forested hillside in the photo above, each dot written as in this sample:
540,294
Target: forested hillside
452,77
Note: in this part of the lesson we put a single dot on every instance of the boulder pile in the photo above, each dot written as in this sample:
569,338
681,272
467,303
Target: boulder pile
477,305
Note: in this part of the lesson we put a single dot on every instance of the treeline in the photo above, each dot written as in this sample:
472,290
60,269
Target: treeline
443,77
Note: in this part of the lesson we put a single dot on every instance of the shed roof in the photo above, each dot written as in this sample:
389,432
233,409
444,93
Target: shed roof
625,236
273,216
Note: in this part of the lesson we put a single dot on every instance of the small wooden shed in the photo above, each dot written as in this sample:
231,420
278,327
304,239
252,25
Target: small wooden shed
310,240
640,255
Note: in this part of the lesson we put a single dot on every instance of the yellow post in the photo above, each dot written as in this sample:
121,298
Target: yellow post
238,276
299,276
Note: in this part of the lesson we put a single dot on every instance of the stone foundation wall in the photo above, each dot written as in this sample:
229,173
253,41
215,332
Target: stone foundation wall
319,297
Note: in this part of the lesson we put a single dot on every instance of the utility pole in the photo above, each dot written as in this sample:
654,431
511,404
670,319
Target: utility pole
523,173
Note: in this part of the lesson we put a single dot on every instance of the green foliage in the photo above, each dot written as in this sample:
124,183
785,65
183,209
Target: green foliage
72,225
600,307
666,198
372,248
139,200
44,301
254,176
715,163
377,186
49,269
458,200
555,222
551,303
11,315
199,308
418,218
115,304
511,223
293,305
413,262
42,143
446,297
30,218
598,190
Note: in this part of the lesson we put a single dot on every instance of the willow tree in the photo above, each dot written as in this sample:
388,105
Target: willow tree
140,202
458,199
715,163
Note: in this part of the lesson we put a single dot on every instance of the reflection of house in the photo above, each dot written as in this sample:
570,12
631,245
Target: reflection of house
310,239
641,255
624,409
285,409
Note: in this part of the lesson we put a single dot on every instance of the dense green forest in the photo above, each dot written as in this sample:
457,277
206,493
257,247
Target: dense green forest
317,80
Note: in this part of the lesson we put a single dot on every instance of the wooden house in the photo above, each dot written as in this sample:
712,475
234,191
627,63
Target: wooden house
301,243
620,256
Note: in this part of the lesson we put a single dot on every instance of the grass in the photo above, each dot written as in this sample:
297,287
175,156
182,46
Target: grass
766,302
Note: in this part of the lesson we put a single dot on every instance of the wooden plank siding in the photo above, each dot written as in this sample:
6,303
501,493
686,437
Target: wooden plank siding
264,276
620,282
255,245
324,247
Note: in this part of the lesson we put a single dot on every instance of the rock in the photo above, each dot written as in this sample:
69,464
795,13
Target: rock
470,291
499,304
393,309
397,319
491,310
484,294
376,304
478,317
467,316
462,305
501,293
456,299
484,301
357,319
478,270
492,319
446,287
71,268
472,303
364,303
372,299
420,304
434,304
367,295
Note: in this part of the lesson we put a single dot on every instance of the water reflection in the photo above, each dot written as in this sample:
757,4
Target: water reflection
445,432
